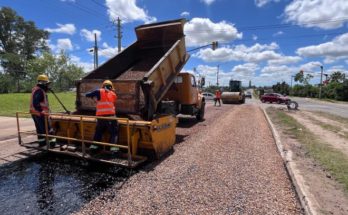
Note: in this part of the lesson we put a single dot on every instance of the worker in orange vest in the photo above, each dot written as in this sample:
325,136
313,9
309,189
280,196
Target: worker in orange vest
217,97
39,107
106,99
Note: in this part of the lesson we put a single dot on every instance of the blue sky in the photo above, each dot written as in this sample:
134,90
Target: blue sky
264,41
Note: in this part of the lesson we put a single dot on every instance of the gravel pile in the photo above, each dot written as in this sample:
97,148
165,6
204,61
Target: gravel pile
227,164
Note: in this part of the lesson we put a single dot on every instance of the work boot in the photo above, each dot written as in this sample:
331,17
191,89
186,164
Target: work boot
53,142
42,142
114,149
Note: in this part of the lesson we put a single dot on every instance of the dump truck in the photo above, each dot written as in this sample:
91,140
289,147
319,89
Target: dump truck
235,93
144,76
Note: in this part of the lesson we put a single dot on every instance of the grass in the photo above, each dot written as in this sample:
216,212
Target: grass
331,159
19,102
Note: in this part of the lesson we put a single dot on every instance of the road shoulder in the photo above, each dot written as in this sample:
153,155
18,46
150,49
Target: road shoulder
317,188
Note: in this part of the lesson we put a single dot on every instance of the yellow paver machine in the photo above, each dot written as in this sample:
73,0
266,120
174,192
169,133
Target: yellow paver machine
142,74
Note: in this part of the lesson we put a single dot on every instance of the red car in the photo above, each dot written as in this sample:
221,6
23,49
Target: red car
274,97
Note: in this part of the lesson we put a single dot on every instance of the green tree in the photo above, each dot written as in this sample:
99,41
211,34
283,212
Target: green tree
299,77
338,77
20,41
282,88
59,68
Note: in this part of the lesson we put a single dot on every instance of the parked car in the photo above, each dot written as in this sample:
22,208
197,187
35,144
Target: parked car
248,94
274,97
208,96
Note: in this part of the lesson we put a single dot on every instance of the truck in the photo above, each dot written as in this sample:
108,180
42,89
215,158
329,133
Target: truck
235,94
151,91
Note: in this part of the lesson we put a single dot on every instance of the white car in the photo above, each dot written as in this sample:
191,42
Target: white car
208,96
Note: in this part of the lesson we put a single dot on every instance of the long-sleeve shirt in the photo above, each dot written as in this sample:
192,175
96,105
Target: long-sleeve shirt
95,93
38,97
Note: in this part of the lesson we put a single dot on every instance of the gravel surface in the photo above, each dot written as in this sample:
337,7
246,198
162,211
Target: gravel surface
227,164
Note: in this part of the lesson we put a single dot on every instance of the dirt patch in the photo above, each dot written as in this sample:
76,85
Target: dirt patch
327,136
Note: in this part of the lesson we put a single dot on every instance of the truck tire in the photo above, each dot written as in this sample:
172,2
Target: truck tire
243,100
200,114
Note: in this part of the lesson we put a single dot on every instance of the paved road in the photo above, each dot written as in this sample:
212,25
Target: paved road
340,109
10,150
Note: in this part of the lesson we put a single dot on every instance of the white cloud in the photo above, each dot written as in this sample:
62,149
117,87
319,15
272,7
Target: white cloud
255,53
254,37
107,51
67,0
128,11
284,60
64,44
202,31
261,3
334,50
87,66
185,14
278,33
278,70
207,2
210,75
244,71
63,28
325,14
89,35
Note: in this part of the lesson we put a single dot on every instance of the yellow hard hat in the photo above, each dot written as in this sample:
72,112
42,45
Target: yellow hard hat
108,83
43,78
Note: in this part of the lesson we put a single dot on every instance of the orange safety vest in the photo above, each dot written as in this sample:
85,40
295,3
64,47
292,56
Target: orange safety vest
44,105
106,104
218,94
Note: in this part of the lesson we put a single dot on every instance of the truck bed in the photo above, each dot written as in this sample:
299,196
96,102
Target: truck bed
142,73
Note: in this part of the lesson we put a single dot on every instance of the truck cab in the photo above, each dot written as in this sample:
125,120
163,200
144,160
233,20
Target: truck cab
184,97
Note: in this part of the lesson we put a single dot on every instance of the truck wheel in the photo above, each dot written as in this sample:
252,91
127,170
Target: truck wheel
200,114
243,100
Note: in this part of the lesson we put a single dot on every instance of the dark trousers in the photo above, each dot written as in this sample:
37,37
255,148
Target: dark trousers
106,125
40,126
217,100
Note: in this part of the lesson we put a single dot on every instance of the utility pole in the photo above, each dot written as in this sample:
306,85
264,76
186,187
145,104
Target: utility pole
321,80
217,75
95,51
291,84
119,34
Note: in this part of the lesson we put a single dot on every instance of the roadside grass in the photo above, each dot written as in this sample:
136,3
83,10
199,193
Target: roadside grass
333,117
329,127
19,102
329,158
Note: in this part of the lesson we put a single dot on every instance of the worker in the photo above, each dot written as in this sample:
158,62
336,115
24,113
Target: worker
217,97
106,99
39,107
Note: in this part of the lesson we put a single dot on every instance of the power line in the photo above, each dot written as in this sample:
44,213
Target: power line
271,26
99,4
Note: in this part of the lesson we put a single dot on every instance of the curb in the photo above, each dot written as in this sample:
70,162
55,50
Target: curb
290,167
